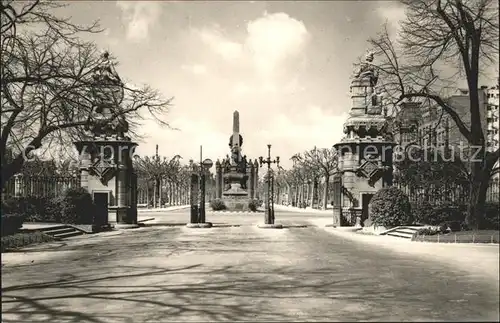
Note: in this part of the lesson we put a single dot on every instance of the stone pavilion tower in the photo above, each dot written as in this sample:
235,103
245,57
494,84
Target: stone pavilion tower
106,168
365,151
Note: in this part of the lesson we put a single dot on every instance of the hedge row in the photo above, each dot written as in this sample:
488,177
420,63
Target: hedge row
23,239
454,215
74,206
218,205
390,207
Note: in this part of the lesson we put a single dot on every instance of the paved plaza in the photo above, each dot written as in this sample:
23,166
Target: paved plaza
238,272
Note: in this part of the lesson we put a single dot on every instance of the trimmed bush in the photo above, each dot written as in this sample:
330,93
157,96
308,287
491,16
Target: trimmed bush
76,206
34,209
217,205
491,220
428,231
390,208
253,205
11,223
453,216
24,239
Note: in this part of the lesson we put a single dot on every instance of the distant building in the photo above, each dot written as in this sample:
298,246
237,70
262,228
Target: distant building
492,117
429,126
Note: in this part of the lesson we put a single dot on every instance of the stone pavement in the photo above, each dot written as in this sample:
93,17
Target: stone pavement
479,259
164,273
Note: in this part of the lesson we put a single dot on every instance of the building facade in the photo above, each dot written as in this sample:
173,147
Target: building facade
428,125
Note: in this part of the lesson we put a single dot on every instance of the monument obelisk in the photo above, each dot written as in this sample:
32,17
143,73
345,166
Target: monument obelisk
235,139
236,197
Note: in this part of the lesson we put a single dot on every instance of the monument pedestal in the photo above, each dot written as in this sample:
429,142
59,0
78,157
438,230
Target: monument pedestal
236,198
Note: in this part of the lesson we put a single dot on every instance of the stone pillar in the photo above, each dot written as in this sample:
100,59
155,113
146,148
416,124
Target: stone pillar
218,180
193,194
251,180
121,186
121,177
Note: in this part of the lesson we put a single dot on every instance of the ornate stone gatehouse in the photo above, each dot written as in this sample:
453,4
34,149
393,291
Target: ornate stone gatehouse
365,151
106,168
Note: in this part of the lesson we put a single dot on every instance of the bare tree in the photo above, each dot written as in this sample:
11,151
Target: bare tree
47,92
322,163
435,36
156,169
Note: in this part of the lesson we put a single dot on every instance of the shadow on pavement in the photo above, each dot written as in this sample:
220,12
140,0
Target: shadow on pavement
210,299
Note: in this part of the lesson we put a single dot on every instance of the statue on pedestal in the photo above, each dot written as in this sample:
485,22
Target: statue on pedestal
367,70
108,93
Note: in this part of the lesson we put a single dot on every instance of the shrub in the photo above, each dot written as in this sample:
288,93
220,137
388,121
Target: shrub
76,206
11,223
428,231
217,205
491,217
390,207
53,209
446,213
24,239
34,209
253,205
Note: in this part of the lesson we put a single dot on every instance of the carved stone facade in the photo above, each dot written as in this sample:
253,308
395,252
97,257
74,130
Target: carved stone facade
365,151
106,168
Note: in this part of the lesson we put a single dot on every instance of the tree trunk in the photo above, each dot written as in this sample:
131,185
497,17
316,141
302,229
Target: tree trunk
171,193
477,197
325,192
154,193
160,191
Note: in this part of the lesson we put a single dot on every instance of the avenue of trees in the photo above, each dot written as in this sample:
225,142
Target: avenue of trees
46,89
307,182
440,42
162,180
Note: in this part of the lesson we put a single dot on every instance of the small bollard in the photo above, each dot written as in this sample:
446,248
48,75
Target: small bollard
455,238
438,237
473,238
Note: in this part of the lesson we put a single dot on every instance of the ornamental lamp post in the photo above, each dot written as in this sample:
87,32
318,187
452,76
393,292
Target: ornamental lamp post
269,203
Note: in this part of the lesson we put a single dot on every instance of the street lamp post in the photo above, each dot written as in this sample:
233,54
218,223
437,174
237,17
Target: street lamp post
269,204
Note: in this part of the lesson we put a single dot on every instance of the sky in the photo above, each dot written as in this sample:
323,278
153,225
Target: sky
285,66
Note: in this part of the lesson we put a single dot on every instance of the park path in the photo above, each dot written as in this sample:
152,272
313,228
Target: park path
241,273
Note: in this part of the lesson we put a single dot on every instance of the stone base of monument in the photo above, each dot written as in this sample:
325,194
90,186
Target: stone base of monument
236,202
270,226
199,225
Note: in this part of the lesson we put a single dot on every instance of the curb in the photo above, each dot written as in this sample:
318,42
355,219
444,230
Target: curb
205,225
270,226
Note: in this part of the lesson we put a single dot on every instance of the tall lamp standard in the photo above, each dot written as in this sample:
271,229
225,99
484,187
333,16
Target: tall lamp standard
269,203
